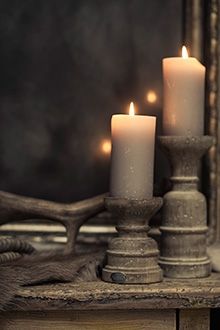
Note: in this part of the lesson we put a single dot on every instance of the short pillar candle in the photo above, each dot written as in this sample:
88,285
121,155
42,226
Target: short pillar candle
132,160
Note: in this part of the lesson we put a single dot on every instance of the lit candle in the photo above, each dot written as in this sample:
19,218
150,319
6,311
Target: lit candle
132,161
184,85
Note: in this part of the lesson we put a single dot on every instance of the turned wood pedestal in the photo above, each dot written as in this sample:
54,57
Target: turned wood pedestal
132,255
184,217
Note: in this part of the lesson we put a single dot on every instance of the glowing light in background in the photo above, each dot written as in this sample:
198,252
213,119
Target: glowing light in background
106,147
184,52
151,96
131,109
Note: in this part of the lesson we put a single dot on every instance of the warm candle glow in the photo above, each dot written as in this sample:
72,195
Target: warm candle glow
131,109
184,52
151,96
183,90
106,147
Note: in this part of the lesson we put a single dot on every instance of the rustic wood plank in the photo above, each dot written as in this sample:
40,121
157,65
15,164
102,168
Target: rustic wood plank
88,320
198,319
198,293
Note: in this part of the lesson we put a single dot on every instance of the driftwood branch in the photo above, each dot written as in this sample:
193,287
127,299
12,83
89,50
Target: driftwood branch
72,216
41,268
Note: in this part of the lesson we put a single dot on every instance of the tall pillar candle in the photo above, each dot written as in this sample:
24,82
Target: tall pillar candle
132,161
184,85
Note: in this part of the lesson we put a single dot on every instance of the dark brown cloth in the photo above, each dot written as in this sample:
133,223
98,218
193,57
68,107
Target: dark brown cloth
39,269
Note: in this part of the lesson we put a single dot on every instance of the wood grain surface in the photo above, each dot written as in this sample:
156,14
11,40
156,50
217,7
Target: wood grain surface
190,319
90,320
99,295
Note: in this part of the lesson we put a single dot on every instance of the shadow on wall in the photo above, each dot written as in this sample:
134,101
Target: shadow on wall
65,68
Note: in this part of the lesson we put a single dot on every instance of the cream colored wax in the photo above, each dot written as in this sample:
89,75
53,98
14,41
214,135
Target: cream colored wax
132,161
184,85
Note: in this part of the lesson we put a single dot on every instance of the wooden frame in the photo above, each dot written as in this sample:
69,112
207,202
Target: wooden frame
201,34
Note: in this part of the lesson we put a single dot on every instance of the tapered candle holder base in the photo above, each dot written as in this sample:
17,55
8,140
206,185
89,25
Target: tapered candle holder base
132,256
184,218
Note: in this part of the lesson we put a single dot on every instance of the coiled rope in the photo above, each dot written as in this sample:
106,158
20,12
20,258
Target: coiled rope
13,248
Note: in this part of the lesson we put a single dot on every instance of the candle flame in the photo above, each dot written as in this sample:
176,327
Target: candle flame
131,109
184,52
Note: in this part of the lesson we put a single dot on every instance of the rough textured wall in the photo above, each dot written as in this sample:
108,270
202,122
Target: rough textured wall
65,68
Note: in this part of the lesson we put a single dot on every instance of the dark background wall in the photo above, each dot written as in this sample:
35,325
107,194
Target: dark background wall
65,68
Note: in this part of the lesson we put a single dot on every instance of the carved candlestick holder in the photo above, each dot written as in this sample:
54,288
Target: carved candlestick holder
132,256
184,220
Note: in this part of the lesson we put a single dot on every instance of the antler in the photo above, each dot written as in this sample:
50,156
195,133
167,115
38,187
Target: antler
14,207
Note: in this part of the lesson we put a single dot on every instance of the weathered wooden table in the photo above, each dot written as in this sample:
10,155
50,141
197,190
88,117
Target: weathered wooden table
172,304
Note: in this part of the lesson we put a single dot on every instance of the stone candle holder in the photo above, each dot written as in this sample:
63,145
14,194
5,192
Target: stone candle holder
184,219
132,256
